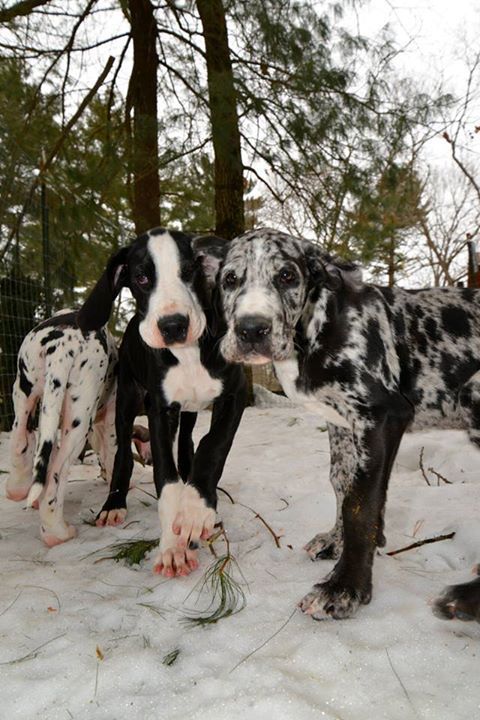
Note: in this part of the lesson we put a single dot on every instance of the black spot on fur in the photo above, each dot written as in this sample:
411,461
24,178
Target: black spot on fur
431,328
25,384
56,383
455,321
42,464
375,346
102,339
76,423
52,335
51,349
84,362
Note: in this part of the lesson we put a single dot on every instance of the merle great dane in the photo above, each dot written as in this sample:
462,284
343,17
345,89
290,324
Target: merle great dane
169,360
372,360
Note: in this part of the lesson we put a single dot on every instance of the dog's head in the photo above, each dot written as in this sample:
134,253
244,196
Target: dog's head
166,277
266,279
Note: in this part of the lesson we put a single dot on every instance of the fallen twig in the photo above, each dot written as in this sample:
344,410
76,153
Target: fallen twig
266,641
401,683
439,477
276,537
33,653
422,467
419,543
431,470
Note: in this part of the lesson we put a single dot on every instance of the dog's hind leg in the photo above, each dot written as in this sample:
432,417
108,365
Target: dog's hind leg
328,545
57,371
22,444
75,427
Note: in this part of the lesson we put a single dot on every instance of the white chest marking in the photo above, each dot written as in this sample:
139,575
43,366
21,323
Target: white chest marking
287,373
189,383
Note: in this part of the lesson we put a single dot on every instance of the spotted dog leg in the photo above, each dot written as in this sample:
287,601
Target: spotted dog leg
350,582
54,530
460,601
103,438
326,546
22,444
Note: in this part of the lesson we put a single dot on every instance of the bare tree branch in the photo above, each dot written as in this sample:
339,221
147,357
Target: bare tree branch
24,7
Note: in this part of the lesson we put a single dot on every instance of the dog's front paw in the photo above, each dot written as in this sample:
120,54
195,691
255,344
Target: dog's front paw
113,512
111,517
194,520
459,601
325,546
332,600
172,560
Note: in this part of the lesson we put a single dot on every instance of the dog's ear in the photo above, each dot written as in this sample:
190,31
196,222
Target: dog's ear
210,250
333,272
96,309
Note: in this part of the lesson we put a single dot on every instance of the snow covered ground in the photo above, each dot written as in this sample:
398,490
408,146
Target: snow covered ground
82,639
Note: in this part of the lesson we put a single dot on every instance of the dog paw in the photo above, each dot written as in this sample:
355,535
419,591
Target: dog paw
174,561
461,602
194,520
330,600
325,546
61,535
111,517
16,493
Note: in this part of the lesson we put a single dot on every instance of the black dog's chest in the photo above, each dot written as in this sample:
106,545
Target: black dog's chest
188,382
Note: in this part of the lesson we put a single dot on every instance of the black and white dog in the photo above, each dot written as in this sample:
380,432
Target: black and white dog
170,360
371,359
72,375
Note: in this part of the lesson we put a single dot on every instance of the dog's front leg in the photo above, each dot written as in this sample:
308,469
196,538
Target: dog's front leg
114,510
350,582
196,518
173,557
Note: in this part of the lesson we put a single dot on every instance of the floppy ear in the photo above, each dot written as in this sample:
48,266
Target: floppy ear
96,309
211,250
331,271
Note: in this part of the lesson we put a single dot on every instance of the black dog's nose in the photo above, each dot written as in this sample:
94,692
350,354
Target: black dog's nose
253,328
174,328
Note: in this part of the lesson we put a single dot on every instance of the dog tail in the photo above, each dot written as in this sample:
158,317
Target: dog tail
57,371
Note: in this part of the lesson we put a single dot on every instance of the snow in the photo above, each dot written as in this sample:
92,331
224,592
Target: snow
394,660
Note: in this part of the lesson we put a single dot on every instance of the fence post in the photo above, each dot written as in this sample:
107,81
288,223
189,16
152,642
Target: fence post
46,248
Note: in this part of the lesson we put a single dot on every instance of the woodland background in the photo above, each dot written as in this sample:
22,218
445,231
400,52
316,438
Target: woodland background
120,115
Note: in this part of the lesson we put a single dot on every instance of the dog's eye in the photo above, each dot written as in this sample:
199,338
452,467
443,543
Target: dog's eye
287,277
142,280
230,279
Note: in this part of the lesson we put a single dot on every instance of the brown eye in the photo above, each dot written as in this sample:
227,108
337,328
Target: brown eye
287,277
142,280
230,279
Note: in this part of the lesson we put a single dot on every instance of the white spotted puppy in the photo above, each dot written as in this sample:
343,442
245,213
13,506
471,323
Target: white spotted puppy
72,375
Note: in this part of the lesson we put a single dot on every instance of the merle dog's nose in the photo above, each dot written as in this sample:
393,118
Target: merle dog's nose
253,328
174,328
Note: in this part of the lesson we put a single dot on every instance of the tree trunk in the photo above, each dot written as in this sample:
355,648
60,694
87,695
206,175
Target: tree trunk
143,98
229,211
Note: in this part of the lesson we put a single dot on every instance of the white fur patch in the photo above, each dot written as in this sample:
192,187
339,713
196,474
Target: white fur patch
287,374
169,504
256,301
170,294
189,383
